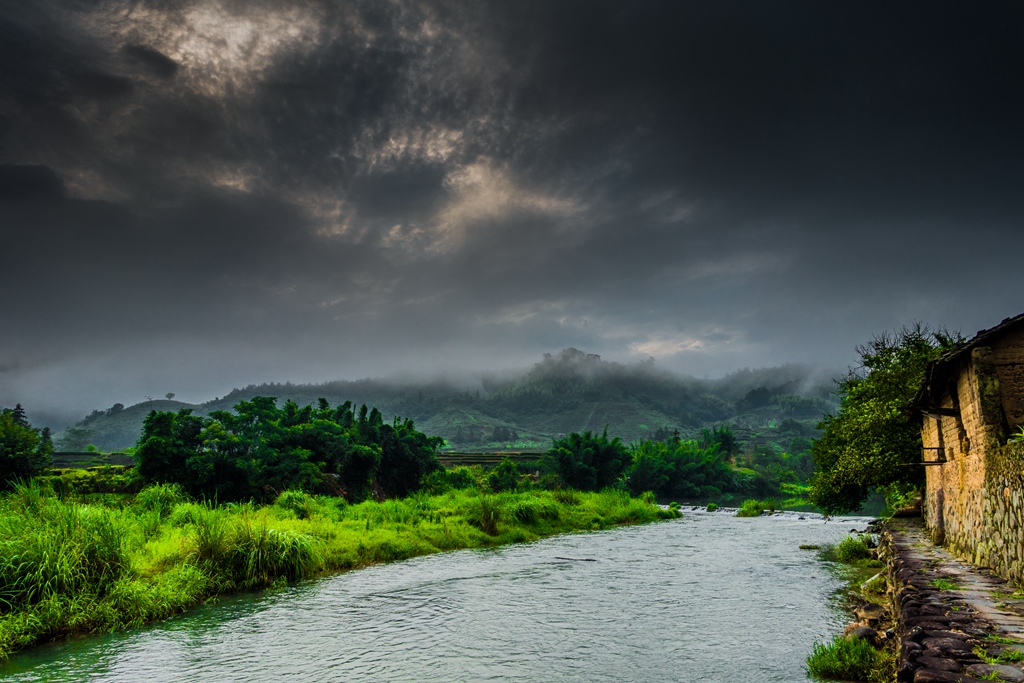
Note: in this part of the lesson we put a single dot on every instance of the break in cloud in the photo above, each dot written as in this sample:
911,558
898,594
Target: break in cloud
198,195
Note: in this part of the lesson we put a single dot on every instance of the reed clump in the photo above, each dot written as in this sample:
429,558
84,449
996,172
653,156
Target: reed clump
756,508
75,565
845,659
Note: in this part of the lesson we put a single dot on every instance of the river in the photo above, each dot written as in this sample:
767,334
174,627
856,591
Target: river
708,597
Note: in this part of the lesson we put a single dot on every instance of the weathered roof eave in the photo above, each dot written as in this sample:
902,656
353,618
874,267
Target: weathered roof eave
938,371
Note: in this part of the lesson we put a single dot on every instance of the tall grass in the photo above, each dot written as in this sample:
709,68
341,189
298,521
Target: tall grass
756,508
70,566
844,659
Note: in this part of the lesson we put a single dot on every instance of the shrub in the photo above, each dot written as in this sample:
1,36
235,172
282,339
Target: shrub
712,507
160,498
504,477
444,480
211,538
260,555
490,514
756,508
298,503
844,659
186,513
566,496
524,511
851,549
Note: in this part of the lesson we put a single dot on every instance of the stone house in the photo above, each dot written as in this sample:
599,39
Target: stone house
970,403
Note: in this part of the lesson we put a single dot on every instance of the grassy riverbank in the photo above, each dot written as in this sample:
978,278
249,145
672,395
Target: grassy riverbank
849,658
111,563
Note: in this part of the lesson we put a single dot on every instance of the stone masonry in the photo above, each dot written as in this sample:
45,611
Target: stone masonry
972,401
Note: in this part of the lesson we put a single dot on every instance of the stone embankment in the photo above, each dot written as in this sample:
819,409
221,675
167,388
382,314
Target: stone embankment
956,623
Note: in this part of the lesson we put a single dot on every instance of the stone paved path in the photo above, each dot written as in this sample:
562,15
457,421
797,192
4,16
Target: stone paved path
952,616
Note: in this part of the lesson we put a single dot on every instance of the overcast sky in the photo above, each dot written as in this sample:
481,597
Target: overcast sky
201,195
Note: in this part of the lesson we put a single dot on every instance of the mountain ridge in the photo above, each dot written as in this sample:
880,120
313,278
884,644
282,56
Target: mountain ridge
564,392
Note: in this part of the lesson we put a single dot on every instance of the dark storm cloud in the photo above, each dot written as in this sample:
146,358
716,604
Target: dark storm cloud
159,63
29,183
204,194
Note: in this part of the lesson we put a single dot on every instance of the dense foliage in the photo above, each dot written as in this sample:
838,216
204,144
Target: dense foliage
261,449
24,450
679,469
588,462
872,440
672,468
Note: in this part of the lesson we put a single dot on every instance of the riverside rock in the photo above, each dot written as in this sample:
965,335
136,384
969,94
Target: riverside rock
1005,672
870,613
865,633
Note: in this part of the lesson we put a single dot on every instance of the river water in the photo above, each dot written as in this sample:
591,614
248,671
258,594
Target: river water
708,597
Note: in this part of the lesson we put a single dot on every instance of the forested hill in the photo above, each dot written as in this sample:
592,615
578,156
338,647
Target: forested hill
565,392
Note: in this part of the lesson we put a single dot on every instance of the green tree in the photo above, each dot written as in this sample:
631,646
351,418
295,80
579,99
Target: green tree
727,442
259,450
682,469
504,477
24,450
170,449
588,462
872,440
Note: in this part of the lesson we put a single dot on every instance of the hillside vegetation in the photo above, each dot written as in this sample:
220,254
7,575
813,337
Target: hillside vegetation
571,391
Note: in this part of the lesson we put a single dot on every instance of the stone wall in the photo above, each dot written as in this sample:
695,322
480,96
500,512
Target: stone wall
954,494
974,503
1001,545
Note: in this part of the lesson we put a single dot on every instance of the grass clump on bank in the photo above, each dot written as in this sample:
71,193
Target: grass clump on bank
68,566
756,508
845,659
850,550
854,551
850,658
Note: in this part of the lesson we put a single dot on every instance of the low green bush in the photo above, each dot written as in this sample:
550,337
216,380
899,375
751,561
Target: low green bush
851,549
504,477
298,503
456,478
712,507
490,515
160,498
756,508
566,496
844,659
260,555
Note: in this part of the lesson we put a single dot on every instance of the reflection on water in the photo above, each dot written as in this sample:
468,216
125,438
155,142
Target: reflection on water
705,598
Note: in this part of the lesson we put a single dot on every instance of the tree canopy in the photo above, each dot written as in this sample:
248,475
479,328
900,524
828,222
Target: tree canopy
24,450
680,469
588,462
872,441
261,449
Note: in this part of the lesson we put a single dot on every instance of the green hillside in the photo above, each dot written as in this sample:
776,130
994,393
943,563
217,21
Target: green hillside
565,392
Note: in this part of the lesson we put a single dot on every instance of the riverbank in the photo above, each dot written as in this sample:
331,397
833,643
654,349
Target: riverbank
954,621
670,601
69,567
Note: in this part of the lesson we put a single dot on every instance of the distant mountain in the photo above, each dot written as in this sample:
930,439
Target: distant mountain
565,392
